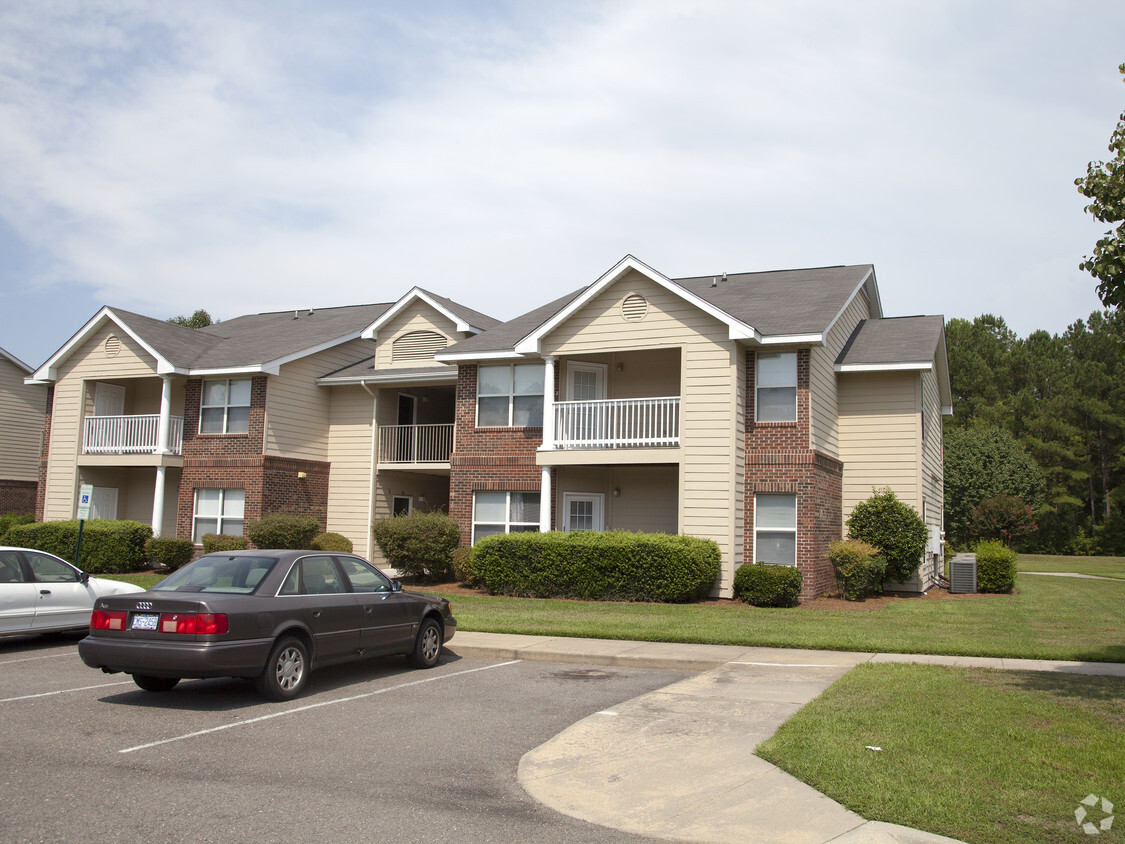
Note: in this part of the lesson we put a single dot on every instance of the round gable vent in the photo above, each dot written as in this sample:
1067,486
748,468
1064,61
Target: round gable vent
634,307
112,346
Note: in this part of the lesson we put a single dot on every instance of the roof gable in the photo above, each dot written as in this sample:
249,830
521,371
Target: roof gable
464,319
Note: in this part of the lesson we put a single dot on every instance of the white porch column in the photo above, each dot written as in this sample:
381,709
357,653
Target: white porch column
548,404
165,424
545,501
158,501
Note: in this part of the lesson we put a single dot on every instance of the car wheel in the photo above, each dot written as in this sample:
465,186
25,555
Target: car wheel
427,647
155,684
287,670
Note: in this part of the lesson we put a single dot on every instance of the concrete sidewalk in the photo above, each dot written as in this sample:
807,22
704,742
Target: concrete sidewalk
678,763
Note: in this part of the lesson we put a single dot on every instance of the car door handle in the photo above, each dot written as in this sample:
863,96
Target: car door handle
44,591
316,613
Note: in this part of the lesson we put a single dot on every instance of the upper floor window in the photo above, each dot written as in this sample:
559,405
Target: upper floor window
225,408
510,395
776,387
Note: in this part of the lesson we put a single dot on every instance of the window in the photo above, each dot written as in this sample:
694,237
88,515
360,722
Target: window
776,387
313,576
225,408
218,511
402,505
510,396
504,512
775,529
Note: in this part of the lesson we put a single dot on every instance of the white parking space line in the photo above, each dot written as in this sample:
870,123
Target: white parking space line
30,658
316,706
66,691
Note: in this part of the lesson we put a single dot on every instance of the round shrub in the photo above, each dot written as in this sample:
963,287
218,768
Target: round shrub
859,568
223,542
765,585
588,565
281,531
419,544
894,528
996,567
331,542
168,551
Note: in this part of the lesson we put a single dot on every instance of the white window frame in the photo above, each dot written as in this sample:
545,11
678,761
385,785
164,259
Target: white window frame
758,529
759,386
511,395
508,524
222,514
226,405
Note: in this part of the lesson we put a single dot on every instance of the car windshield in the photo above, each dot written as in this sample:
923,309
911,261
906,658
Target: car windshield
240,575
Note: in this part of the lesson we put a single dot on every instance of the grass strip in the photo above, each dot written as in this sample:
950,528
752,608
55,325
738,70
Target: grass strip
979,755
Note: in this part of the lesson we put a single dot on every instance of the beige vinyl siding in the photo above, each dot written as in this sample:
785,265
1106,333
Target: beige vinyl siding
879,436
709,368
417,316
21,424
350,479
933,473
824,431
297,409
647,501
86,364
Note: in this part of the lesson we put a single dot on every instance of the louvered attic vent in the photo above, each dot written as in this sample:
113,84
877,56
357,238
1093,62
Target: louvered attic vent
417,345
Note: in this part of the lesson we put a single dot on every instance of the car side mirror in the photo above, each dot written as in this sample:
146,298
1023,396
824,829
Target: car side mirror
396,585
83,577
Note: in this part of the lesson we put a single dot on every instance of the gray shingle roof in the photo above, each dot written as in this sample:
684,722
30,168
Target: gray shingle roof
505,335
893,340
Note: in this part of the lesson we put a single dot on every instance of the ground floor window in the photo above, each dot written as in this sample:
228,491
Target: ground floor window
218,511
504,512
775,529
402,505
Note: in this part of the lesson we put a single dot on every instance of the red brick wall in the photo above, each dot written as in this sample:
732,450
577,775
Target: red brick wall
487,458
18,497
779,459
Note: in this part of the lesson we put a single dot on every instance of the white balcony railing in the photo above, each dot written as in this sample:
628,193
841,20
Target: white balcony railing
415,443
618,423
129,434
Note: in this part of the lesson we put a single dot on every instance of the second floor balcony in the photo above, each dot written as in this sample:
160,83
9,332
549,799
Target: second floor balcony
617,423
130,434
412,444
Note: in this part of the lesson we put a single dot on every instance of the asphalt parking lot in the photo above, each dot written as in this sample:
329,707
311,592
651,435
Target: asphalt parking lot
373,751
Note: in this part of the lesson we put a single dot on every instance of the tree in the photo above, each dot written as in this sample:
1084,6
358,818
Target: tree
894,528
199,319
1003,517
1104,184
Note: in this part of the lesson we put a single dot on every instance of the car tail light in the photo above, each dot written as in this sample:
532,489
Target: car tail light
193,623
107,620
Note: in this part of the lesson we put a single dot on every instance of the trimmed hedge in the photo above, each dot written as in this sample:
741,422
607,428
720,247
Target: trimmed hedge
8,520
282,531
223,542
996,567
419,544
331,542
609,566
108,546
168,551
859,568
765,585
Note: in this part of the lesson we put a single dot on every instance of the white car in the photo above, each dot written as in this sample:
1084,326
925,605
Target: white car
40,593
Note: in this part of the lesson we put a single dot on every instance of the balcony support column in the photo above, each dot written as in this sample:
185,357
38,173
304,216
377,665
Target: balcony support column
165,424
545,501
158,502
548,404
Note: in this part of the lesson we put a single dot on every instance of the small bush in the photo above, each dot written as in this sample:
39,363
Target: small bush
894,528
419,544
765,585
463,566
610,566
108,546
996,567
859,568
223,542
283,531
331,542
168,551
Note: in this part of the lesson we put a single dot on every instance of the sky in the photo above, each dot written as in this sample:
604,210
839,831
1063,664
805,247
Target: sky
253,156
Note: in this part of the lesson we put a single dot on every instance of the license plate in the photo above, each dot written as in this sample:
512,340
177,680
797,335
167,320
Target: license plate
144,621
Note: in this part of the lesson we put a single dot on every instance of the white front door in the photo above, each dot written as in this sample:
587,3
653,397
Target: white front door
583,511
109,400
103,503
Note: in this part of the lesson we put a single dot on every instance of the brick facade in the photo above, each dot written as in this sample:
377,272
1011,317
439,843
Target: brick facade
18,496
780,459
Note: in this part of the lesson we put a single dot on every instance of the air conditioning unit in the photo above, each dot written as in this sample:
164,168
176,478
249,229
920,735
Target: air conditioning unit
963,573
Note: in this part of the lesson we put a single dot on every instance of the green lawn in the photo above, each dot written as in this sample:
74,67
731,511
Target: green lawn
1100,566
982,756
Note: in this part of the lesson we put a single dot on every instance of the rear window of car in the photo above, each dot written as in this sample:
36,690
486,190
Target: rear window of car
237,575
